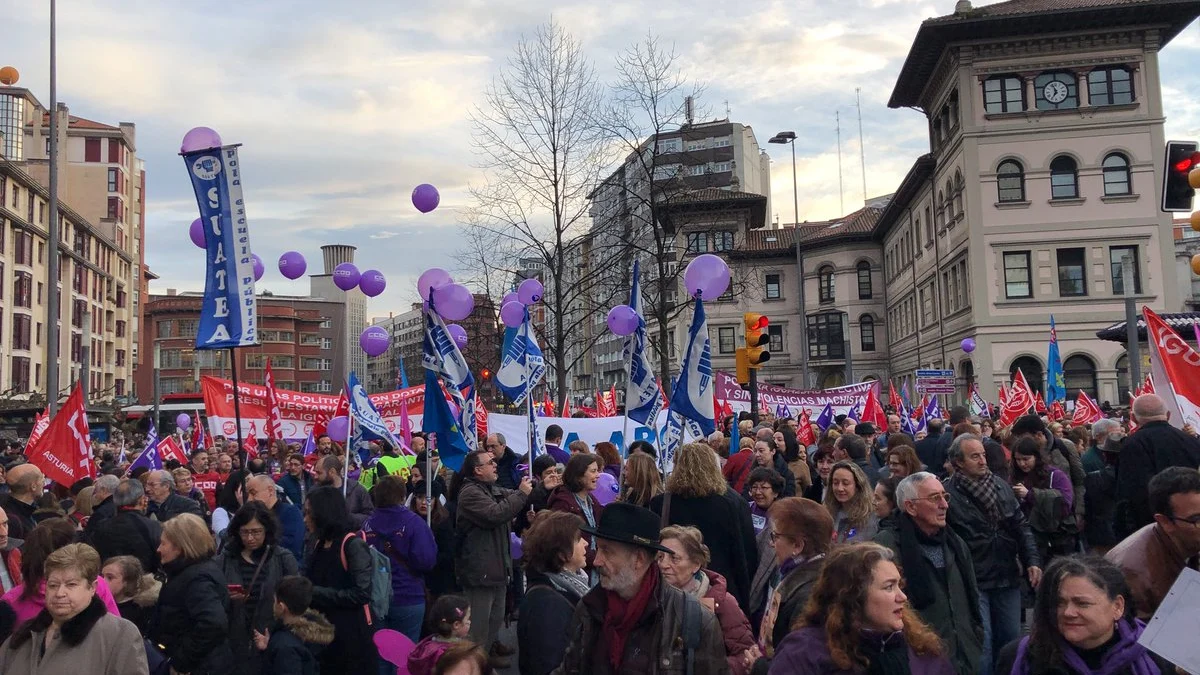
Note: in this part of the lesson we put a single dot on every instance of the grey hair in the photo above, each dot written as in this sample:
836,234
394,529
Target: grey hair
263,479
1105,427
500,438
906,491
129,492
107,484
716,436
161,476
956,446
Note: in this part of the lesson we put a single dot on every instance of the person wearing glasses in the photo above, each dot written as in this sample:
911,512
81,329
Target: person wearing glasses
1154,556
938,569
985,513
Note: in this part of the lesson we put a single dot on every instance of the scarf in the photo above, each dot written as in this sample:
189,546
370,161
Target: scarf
1125,655
568,583
917,572
621,615
983,491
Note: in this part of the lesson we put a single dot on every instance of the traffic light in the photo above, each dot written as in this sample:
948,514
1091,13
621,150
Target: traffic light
757,339
1180,159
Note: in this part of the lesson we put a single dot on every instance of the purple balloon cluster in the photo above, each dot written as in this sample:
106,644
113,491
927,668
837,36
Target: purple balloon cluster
513,307
450,300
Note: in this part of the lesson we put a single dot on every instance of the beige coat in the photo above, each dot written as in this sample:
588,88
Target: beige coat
94,642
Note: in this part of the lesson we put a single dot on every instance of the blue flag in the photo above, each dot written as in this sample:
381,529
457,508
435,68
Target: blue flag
522,364
401,377
692,397
368,423
442,358
537,445
1056,386
310,445
825,419
642,399
735,437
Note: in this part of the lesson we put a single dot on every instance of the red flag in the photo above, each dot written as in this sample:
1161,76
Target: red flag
169,448
1086,410
1056,412
1175,367
1039,404
250,445
40,424
342,410
1018,402
1003,394
548,405
873,412
918,413
481,417
65,452
893,398
605,406
804,432
199,438
567,407
274,426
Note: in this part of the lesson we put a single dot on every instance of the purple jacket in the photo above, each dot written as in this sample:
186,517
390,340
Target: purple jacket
560,456
412,550
806,651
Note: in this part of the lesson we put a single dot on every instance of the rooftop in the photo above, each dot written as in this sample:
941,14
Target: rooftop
714,199
1182,323
80,123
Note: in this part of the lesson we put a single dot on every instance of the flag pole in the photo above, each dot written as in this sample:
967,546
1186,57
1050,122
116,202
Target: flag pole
237,408
428,484
346,464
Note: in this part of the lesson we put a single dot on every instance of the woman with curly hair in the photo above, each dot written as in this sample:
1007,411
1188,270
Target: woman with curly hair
858,621
849,500
641,481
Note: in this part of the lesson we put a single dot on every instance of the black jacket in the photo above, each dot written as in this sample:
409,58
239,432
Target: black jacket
994,546
245,618
101,512
1153,447
293,647
20,516
506,470
342,593
932,453
192,621
129,533
728,531
542,632
173,506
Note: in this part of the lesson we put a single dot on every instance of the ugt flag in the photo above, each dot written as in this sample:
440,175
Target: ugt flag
522,364
642,393
692,397
1175,368
228,312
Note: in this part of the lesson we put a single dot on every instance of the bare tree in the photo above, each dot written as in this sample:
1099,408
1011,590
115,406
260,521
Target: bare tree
537,138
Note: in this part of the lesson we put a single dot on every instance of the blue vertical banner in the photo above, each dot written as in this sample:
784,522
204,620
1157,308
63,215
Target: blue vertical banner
1056,385
228,315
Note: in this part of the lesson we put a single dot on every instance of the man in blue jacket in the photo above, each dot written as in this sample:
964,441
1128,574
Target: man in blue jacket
262,488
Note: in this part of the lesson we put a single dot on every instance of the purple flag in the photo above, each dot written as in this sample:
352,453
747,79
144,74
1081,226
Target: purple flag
855,412
825,419
148,458
932,410
309,445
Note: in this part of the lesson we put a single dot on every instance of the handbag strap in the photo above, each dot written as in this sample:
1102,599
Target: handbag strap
258,569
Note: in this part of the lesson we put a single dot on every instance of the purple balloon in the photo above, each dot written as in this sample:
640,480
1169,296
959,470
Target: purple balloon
516,548
459,334
530,291
968,345
374,340
196,232
430,279
200,138
622,320
425,197
453,301
605,491
372,283
510,297
346,276
512,314
338,428
292,265
259,269
706,277
183,421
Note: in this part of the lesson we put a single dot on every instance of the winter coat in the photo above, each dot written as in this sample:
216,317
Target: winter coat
1153,447
737,469
562,499
440,580
424,657
192,620
28,608
172,506
543,631
292,486
767,566
1100,508
93,642
485,510
408,543
932,453
995,546
792,591
358,502
244,617
655,645
728,531
539,498
292,647
343,594
807,651
735,627
291,528
1151,563
129,533
1063,455
866,532
101,512
20,516
507,475
140,608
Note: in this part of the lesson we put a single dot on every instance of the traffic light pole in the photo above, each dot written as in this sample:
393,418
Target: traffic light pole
754,394
1131,325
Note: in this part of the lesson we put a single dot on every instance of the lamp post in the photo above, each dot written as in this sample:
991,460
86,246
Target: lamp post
53,312
789,137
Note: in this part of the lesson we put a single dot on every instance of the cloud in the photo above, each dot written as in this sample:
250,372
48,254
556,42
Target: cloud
385,234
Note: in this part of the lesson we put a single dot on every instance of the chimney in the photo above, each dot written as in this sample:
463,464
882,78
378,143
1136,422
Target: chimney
171,291
336,254
689,107
962,7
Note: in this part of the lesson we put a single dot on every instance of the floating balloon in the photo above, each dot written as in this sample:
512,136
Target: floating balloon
183,421
346,276
622,320
259,269
512,314
430,279
968,345
605,491
512,296
453,301
425,197
459,334
372,283
706,277
530,291
374,340
200,138
292,265
196,232
338,428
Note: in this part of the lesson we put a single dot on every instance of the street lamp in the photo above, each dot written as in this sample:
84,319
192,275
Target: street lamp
789,137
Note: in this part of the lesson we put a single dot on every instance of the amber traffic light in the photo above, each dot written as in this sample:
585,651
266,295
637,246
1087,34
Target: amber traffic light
758,339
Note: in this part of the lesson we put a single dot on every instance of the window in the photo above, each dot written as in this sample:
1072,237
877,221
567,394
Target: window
20,374
825,283
112,179
114,207
1032,369
959,187
23,290
1017,277
864,280
722,142
697,170
1003,94
775,332
114,152
1116,254
697,242
1079,373
91,149
1116,175
1110,86
725,340
22,332
1072,280
772,283
120,358
669,145
1056,91
121,328
1064,178
722,241
866,330
825,339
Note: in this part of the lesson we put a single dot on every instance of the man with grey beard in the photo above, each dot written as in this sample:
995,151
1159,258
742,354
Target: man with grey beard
634,621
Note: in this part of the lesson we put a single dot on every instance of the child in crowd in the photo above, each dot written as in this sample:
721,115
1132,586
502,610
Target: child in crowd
299,633
449,623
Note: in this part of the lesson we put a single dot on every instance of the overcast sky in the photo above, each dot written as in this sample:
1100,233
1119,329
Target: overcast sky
344,107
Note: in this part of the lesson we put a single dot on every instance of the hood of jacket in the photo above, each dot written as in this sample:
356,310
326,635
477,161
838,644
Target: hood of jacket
716,584
148,596
312,628
428,651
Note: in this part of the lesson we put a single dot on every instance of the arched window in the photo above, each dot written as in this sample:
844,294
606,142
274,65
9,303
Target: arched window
1033,371
950,212
1123,386
1010,181
1116,175
1064,178
1079,372
968,379
939,213
866,330
825,283
864,280
833,378
959,188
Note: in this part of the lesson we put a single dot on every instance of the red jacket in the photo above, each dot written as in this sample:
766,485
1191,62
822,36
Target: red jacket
734,626
11,557
737,468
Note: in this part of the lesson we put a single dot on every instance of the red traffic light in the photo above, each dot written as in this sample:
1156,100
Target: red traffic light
762,323
486,373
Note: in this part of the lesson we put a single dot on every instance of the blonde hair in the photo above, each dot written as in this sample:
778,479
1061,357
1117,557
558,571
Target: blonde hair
79,557
191,536
640,481
83,501
696,472
181,472
859,508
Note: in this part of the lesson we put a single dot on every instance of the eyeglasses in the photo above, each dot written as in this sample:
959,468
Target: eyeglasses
939,498
252,532
777,535
1194,521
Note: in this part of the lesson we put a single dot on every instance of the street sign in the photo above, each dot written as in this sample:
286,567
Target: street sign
935,381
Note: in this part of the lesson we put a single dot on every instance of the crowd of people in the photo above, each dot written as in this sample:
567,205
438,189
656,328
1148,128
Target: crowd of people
976,548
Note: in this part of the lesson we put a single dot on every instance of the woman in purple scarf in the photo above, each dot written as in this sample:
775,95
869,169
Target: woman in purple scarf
1083,624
